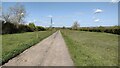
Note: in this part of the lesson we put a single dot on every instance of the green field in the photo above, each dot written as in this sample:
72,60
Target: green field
92,48
0,49
14,44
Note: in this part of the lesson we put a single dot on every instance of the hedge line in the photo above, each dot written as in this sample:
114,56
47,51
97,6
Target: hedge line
10,28
113,30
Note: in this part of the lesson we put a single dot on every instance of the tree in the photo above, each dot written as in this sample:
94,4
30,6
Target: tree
75,25
40,28
18,13
32,25
9,28
6,16
15,14
63,27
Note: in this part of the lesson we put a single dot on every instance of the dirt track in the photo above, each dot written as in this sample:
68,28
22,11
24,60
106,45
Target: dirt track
52,51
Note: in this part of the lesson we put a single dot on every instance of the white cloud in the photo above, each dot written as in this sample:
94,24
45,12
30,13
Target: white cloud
32,21
49,16
97,20
98,11
29,21
53,23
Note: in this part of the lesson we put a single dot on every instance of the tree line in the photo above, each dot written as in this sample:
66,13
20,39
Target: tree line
110,29
10,28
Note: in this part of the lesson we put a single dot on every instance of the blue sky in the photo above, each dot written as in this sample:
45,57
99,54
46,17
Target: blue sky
65,13
58,0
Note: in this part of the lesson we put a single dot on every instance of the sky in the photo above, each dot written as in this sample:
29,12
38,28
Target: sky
59,0
88,14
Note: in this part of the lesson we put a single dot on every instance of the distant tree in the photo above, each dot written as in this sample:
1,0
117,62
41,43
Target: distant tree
63,27
32,25
75,25
40,28
101,28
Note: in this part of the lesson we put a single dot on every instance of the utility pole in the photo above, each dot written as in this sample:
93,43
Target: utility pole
51,22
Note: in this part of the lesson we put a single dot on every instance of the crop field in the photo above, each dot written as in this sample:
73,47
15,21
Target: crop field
92,48
14,44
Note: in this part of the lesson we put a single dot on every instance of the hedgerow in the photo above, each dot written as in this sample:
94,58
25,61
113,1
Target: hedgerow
113,30
10,28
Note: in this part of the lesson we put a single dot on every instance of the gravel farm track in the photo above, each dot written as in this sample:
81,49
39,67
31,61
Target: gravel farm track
51,51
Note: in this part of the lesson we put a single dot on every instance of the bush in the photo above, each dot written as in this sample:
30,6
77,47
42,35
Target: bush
25,28
9,28
32,26
40,28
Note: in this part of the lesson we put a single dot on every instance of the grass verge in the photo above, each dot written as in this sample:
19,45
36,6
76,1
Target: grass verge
14,44
92,48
